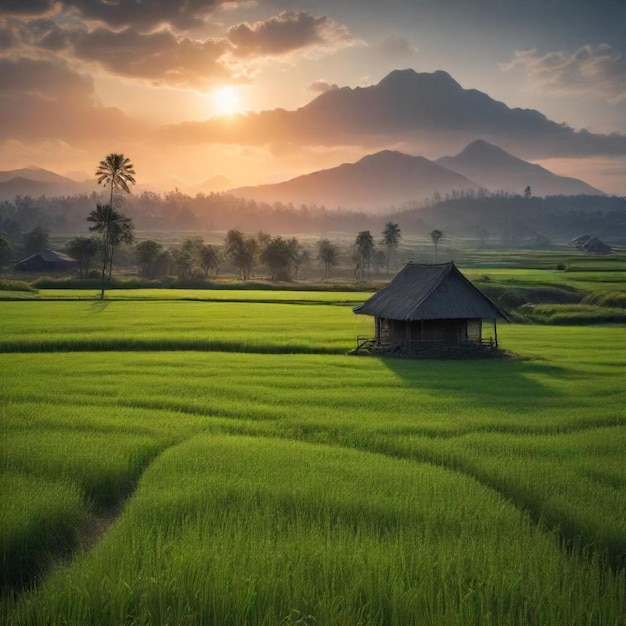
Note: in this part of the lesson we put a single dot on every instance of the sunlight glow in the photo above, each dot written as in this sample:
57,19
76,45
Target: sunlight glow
226,100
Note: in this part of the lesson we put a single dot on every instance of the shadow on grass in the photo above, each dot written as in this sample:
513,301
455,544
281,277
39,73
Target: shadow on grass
495,382
97,306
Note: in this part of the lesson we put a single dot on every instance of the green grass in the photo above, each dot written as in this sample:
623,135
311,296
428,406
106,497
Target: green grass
574,314
264,487
39,517
237,530
582,280
210,295
179,325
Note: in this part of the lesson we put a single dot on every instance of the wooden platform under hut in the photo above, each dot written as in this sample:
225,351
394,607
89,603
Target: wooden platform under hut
431,311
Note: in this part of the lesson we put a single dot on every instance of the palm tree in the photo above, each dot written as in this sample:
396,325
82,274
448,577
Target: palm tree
391,238
436,235
117,171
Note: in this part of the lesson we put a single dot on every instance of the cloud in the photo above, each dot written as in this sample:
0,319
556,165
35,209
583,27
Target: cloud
147,45
146,15
321,86
161,57
47,100
397,48
286,33
8,39
143,15
26,7
599,71
41,33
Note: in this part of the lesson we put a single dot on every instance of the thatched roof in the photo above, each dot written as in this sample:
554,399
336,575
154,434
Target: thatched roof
430,292
47,257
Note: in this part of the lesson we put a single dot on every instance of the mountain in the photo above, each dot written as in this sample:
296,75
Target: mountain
497,170
35,182
36,174
376,181
214,184
426,112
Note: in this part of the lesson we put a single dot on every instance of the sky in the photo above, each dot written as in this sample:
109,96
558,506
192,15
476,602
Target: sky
80,79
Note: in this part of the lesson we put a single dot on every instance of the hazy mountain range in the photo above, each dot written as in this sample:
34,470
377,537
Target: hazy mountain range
377,181
36,182
392,178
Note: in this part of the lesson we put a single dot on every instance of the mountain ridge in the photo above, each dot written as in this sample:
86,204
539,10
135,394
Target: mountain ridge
390,177
376,180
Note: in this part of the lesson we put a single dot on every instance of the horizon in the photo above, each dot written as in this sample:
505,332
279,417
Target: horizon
225,88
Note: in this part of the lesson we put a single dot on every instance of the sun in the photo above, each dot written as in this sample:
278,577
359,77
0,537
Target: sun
226,100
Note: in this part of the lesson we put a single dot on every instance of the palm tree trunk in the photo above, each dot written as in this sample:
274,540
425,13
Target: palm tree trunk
106,243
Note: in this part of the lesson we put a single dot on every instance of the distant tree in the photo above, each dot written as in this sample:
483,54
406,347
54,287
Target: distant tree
263,238
435,236
208,258
279,255
242,251
303,257
364,252
379,259
6,251
117,172
183,262
147,253
34,241
84,250
391,239
328,254
528,192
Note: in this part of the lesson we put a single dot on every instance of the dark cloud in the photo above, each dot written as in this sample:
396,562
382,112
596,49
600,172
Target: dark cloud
43,33
8,38
161,57
598,71
121,45
287,32
43,100
26,7
144,15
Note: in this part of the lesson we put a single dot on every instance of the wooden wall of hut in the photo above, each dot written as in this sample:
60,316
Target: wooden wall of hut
451,332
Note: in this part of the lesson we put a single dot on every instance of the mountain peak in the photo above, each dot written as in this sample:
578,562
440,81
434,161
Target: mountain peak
410,76
497,169
484,151
376,181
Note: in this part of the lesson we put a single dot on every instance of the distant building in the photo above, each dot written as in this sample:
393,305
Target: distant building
427,307
47,261
591,244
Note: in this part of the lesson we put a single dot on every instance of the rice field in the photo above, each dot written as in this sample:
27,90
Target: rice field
153,475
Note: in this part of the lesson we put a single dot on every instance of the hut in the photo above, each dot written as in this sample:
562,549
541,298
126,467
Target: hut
47,261
591,244
428,307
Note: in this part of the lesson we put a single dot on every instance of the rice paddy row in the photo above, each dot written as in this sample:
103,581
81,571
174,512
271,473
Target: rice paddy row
308,488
